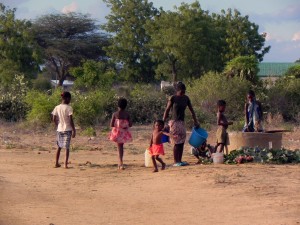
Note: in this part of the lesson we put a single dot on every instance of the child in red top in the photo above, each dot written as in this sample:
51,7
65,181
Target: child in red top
156,146
120,133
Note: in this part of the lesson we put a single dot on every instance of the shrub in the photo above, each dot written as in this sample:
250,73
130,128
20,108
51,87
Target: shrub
169,90
41,83
93,107
245,67
90,108
146,104
206,91
89,131
12,104
293,71
284,98
93,74
41,105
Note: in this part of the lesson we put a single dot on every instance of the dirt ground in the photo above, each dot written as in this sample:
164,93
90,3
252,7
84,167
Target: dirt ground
94,192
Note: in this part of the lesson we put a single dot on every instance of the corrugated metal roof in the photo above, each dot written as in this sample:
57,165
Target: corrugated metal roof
268,69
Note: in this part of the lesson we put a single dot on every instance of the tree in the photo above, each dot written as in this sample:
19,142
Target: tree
18,52
67,39
241,36
293,71
126,23
93,74
245,67
182,42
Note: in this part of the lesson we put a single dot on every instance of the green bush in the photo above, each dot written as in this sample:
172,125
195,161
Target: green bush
90,108
93,74
206,91
12,104
146,104
293,71
93,108
41,83
284,98
41,105
244,67
89,131
169,90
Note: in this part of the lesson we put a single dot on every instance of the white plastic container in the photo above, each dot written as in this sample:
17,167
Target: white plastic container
148,159
218,157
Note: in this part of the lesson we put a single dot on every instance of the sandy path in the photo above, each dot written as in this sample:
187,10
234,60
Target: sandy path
34,193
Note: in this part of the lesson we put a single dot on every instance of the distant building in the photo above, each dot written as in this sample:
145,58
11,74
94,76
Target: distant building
67,84
273,71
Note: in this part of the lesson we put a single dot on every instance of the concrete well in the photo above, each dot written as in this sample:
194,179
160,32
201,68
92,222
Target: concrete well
253,139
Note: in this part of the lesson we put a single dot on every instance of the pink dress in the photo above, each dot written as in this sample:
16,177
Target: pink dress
120,132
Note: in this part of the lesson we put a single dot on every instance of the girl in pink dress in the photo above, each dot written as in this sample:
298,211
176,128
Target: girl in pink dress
120,133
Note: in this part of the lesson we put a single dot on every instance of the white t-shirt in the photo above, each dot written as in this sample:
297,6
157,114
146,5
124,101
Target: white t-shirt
63,112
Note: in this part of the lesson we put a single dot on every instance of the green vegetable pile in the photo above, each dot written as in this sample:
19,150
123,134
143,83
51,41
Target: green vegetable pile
272,156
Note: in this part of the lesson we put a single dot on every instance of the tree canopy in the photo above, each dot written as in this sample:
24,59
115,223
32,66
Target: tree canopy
239,36
18,52
185,42
126,23
67,39
245,67
181,42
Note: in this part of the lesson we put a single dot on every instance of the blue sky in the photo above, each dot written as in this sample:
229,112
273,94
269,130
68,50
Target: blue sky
280,19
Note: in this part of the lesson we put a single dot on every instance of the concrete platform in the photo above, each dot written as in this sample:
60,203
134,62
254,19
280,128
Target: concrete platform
253,139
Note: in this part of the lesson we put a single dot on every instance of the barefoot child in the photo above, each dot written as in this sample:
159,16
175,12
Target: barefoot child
62,116
203,152
156,146
222,135
120,134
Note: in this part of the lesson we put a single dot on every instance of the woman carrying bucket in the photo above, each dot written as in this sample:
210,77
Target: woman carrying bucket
178,103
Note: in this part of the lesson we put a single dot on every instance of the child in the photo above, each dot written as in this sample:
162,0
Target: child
222,135
120,134
253,114
156,146
62,116
203,152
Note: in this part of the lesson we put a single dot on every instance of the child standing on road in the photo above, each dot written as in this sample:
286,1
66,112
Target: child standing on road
222,135
62,116
120,133
156,146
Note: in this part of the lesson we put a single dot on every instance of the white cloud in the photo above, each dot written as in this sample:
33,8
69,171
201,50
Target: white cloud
296,36
73,7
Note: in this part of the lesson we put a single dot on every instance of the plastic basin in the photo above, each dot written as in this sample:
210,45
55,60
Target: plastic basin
198,136
165,139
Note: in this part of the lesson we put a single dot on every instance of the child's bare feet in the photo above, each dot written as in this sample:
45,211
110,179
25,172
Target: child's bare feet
155,170
66,167
121,167
163,166
57,166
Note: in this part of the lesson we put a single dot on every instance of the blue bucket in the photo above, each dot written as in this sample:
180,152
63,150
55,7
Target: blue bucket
198,136
165,139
